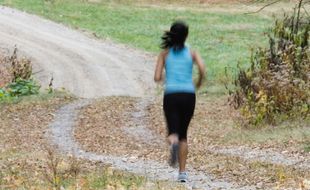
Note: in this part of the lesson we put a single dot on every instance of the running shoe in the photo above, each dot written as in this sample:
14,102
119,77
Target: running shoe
183,177
174,153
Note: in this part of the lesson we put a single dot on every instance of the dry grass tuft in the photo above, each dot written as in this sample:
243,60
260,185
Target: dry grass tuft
13,68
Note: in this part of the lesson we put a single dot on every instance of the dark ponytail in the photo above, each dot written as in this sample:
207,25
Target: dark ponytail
175,38
167,40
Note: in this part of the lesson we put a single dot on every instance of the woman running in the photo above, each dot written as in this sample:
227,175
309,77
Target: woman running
179,96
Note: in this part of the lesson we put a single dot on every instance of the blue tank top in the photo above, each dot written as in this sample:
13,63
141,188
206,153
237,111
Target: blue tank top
179,69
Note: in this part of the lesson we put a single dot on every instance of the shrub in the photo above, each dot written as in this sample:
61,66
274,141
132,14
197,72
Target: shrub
21,83
276,86
21,68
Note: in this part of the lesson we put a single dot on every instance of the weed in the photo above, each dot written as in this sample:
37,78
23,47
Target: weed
74,168
23,87
52,173
21,68
60,171
20,83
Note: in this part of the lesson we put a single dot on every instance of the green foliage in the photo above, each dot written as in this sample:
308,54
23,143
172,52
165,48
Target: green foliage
276,86
21,87
4,95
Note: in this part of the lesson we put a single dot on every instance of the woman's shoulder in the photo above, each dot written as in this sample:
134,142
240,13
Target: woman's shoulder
190,49
194,53
164,52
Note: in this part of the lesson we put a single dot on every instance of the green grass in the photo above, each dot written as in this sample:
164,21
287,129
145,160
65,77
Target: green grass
293,131
122,179
42,96
223,39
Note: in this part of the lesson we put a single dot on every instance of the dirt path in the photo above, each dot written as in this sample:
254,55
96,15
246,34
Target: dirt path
85,66
137,128
139,132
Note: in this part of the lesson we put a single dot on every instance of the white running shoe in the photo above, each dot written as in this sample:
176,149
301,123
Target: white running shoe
183,177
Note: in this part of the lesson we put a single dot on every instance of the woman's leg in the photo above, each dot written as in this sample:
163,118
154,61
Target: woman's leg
173,138
183,151
187,111
179,109
172,120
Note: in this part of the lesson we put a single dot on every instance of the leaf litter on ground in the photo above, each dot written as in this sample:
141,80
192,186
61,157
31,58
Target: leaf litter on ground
100,129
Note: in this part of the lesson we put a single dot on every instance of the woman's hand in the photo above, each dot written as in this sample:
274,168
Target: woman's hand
199,82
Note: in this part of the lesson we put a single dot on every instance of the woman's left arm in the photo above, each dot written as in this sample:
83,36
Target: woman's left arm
201,67
160,66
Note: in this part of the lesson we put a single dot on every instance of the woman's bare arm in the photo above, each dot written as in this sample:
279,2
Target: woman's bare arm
201,67
160,66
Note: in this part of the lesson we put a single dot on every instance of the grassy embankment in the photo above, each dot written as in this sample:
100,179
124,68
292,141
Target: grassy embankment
223,39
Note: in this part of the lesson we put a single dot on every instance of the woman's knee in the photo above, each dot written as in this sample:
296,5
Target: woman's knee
182,139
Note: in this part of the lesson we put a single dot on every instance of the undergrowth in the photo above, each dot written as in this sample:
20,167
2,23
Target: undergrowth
276,85
19,81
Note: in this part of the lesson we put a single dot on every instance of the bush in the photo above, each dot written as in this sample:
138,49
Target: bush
21,68
21,83
276,86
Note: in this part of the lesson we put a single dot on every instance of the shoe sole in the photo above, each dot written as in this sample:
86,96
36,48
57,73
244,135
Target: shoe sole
183,181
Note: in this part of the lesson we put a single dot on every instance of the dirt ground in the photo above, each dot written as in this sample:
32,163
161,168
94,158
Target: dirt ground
23,142
103,130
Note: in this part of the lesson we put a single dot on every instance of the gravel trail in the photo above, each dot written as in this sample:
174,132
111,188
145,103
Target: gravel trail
61,134
137,128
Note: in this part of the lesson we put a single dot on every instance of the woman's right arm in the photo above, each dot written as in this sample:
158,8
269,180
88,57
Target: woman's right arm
201,67
160,66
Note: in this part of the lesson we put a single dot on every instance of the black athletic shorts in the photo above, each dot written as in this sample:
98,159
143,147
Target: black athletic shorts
179,109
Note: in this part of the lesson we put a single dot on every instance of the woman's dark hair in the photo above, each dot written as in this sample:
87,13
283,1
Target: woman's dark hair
175,38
